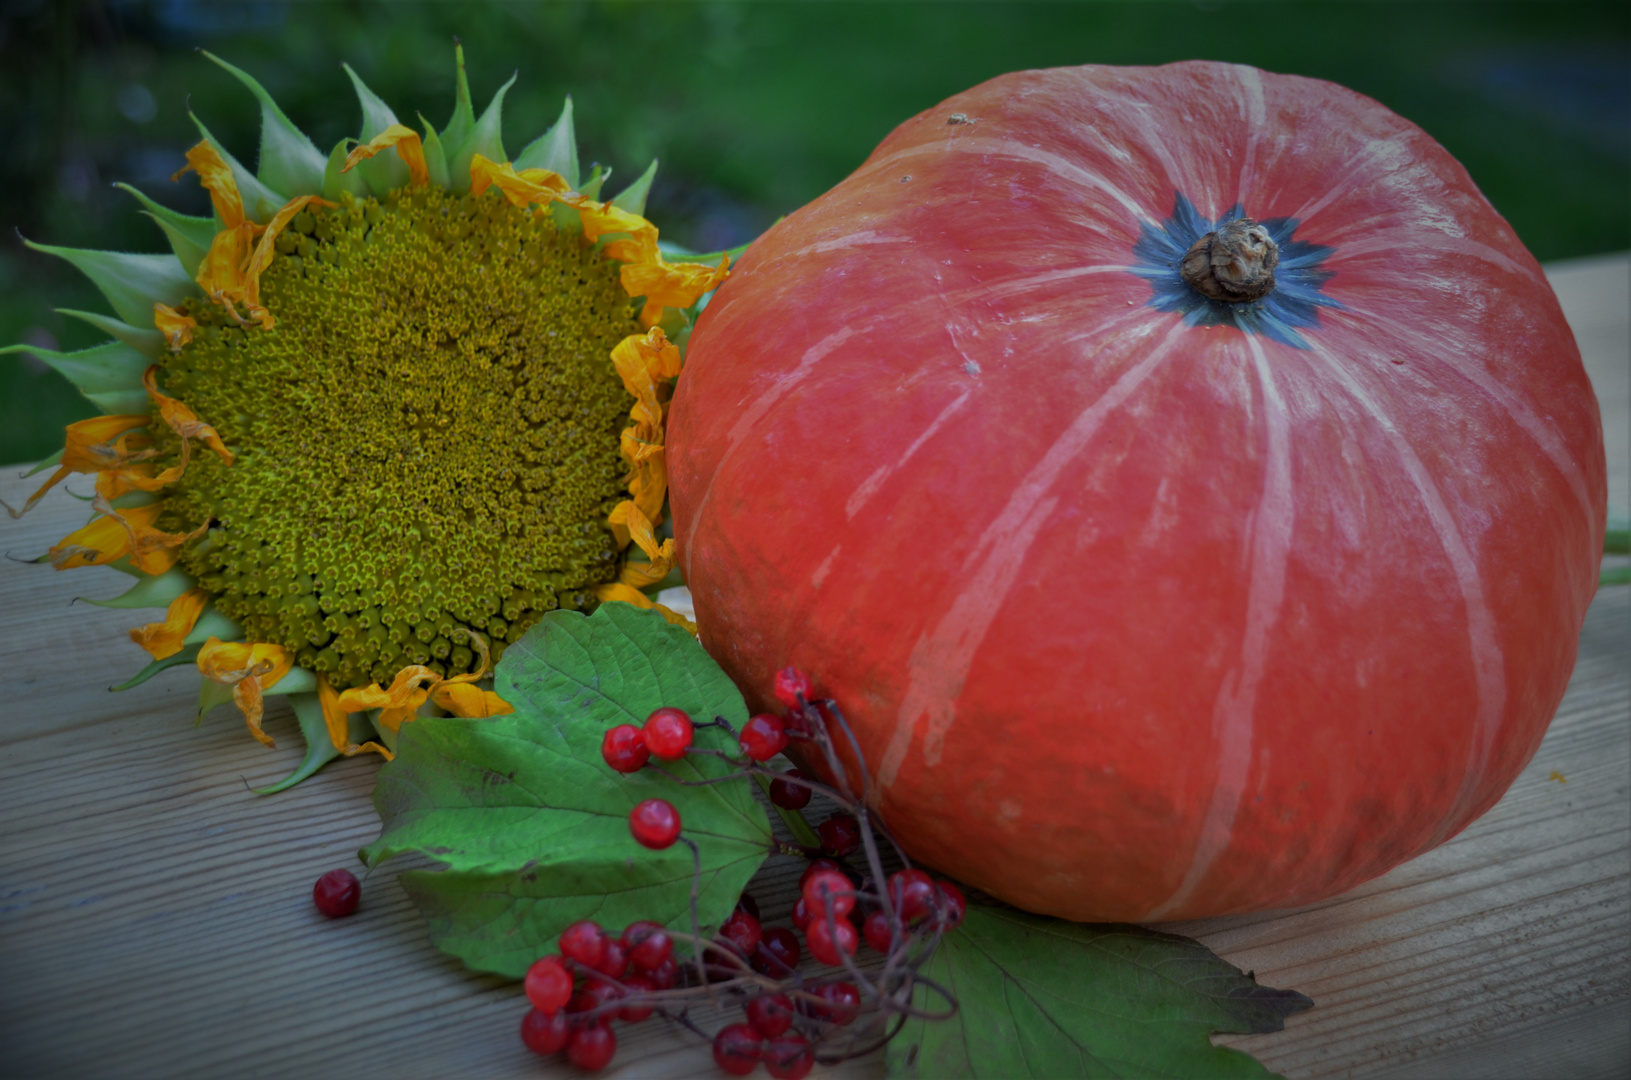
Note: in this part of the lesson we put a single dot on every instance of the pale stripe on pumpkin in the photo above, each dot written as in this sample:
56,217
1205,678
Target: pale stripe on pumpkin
1488,662
1455,359
1235,708
940,661
869,487
1251,84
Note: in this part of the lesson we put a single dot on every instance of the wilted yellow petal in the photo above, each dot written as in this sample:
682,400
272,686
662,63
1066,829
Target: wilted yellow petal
334,718
462,699
92,446
409,147
165,638
250,669
618,593
641,360
152,551
398,702
602,219
521,188
102,541
182,420
176,327
678,285
262,258
216,176
221,274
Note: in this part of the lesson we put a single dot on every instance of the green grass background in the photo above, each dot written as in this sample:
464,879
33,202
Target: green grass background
754,108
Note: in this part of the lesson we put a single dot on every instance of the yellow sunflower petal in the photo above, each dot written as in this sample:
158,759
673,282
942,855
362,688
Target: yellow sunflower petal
642,359
462,699
165,638
602,219
644,575
618,593
221,275
335,719
409,147
629,522
91,446
250,668
262,258
152,550
671,285
398,702
216,176
102,541
522,188
182,420
176,327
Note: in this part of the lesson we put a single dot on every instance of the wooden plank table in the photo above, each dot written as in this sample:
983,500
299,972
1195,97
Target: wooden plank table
155,916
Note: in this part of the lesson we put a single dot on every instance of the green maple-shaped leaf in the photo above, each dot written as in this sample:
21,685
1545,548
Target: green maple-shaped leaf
531,825
1039,997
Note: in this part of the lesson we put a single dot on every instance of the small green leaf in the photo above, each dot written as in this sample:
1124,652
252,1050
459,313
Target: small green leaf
150,592
555,150
109,375
435,155
150,343
633,197
382,172
45,463
288,160
486,139
530,824
319,747
214,624
188,655
190,237
132,283
1039,997
260,201
335,182
210,695
463,121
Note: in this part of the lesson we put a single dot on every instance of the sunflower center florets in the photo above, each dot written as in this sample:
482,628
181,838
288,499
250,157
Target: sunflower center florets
427,439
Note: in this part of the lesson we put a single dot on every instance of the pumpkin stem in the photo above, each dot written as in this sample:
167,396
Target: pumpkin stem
1235,263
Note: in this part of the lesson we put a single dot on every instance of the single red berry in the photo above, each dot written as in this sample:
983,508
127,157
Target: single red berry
950,905
545,1033
549,985
828,888
815,867
912,893
665,974
826,944
764,736
790,796
584,942
636,987
668,733
841,1002
592,1048
625,749
655,823
778,952
336,893
789,1057
840,834
647,944
792,684
801,913
877,933
741,930
737,1049
614,962
771,1014
747,903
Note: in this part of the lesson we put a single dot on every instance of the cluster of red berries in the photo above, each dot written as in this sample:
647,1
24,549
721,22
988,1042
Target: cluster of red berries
575,995
788,1017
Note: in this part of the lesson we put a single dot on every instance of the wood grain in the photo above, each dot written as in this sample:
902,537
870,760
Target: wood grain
155,918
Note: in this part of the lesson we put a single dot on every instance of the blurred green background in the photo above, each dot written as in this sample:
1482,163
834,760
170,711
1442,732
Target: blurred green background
754,108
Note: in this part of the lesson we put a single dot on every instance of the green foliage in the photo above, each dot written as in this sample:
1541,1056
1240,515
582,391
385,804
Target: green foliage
529,824
1039,997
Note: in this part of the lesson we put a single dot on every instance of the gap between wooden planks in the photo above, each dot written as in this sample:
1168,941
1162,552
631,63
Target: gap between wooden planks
155,920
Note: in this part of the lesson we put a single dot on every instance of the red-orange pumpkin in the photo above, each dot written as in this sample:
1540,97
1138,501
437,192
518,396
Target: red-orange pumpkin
1149,605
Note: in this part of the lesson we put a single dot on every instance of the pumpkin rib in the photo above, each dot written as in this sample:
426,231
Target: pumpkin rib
1489,662
1234,710
1547,439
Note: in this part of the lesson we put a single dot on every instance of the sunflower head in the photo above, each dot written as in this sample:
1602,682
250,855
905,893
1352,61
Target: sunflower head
379,412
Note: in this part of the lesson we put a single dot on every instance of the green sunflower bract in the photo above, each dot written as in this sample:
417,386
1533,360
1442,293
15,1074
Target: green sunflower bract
376,415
